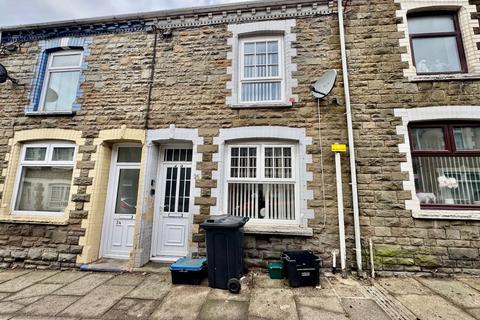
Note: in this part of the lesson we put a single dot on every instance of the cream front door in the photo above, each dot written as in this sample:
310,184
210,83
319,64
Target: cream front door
121,204
172,218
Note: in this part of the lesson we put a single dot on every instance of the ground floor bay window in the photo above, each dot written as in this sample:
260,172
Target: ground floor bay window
446,164
262,181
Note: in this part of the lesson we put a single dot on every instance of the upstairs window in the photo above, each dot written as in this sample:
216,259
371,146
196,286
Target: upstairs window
261,65
261,182
61,80
44,178
446,164
436,43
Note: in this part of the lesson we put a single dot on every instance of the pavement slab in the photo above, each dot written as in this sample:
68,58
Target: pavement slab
272,303
320,308
219,294
25,280
10,307
50,305
224,309
455,291
131,296
127,279
473,282
263,281
183,302
474,312
130,309
432,308
65,277
97,302
25,317
154,287
4,295
346,288
361,309
403,285
85,284
35,291
11,274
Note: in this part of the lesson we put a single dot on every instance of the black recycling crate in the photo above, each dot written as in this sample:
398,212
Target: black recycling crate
302,268
189,271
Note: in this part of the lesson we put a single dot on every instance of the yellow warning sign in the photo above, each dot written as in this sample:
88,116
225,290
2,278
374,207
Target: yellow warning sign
339,147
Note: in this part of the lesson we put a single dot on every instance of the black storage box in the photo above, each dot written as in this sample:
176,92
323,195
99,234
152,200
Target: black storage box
189,271
302,268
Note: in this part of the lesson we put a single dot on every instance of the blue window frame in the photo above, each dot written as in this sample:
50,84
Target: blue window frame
58,76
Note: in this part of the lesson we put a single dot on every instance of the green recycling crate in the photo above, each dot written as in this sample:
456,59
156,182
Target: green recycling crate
275,269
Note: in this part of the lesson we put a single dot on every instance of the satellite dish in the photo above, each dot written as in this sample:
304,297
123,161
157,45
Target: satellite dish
4,75
325,84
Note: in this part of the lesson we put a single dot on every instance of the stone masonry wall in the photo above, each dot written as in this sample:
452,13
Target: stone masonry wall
199,57
378,87
189,91
115,92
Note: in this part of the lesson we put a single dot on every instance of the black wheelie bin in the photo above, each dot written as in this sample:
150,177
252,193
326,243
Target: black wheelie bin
225,251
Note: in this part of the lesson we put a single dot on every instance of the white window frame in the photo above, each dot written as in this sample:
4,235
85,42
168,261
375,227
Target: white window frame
47,162
281,69
260,173
49,70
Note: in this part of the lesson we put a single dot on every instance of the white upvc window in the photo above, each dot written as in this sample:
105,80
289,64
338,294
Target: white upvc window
261,70
60,84
44,178
262,182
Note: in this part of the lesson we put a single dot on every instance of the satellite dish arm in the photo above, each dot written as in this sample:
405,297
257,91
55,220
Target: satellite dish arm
14,81
319,92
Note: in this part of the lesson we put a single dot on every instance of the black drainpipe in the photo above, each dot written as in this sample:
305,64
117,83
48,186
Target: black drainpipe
152,73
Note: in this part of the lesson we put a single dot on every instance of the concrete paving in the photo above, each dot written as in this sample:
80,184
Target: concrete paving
69,295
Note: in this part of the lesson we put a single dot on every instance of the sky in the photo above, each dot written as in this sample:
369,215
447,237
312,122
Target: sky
15,12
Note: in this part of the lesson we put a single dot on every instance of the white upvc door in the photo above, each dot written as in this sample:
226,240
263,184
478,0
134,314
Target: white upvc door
173,205
121,203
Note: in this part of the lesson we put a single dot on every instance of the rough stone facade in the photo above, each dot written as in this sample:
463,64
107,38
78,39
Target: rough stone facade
402,243
114,95
189,91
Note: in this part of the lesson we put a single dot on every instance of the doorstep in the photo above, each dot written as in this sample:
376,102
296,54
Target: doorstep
107,265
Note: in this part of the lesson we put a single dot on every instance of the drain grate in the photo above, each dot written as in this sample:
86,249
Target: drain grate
393,308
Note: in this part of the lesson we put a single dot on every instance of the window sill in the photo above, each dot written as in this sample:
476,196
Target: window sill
56,113
57,221
260,105
447,214
445,77
278,229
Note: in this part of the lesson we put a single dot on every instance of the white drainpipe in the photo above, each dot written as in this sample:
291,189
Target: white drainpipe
351,145
341,223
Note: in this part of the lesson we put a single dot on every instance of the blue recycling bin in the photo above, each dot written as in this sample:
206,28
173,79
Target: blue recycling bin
189,271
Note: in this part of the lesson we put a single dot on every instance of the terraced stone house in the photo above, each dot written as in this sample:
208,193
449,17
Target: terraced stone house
124,133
